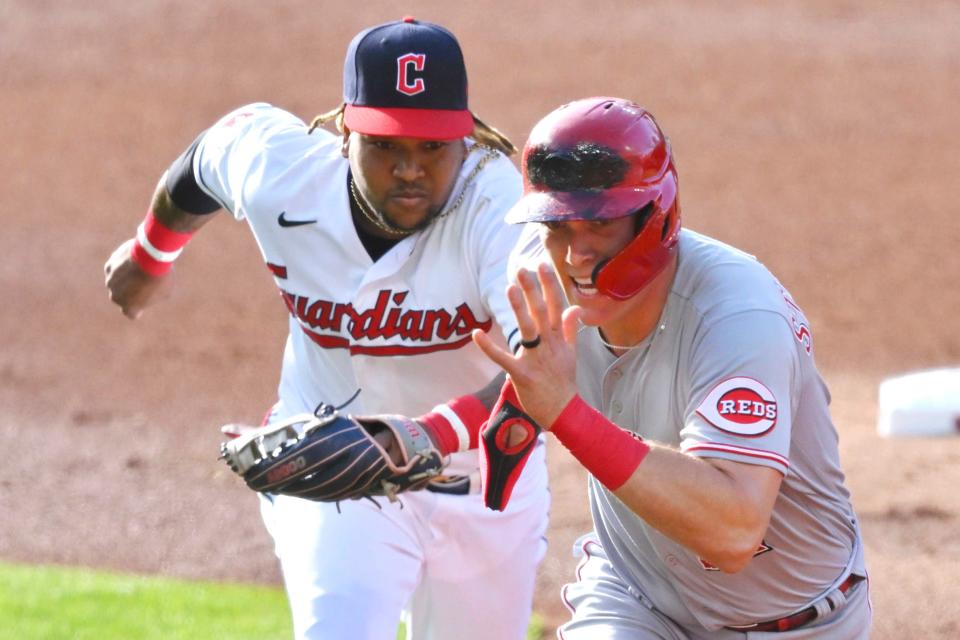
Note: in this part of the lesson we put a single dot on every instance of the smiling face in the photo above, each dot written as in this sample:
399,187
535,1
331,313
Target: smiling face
576,247
406,180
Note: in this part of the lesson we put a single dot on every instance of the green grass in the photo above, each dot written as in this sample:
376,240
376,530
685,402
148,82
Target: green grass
38,603
56,603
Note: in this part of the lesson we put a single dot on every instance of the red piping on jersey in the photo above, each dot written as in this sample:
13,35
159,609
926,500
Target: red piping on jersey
585,557
336,342
744,451
585,551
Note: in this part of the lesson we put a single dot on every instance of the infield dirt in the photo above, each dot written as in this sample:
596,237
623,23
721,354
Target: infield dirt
820,136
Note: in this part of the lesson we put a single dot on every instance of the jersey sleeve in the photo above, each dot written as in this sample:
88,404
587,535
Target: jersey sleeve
494,239
744,375
232,157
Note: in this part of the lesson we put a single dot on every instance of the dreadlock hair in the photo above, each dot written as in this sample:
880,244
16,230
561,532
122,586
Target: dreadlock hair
336,115
483,133
491,137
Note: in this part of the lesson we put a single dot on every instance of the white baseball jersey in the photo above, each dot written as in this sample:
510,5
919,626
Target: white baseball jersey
398,330
728,373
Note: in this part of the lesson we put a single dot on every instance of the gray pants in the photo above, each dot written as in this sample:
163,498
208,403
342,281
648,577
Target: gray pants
604,608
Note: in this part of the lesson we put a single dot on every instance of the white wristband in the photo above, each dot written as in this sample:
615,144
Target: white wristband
463,436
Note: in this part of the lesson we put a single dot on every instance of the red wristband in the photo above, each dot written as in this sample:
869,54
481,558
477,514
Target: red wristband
455,426
157,246
607,451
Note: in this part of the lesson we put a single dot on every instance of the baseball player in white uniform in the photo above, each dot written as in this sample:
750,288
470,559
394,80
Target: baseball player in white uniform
681,375
388,246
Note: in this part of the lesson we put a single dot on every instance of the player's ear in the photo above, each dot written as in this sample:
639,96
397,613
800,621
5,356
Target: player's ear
345,142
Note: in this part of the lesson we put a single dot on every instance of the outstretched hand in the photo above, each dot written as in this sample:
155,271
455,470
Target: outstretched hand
129,286
544,371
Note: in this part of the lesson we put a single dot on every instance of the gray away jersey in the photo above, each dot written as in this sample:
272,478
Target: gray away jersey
729,373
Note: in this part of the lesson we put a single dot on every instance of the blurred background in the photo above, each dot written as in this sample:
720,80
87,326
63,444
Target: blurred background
820,136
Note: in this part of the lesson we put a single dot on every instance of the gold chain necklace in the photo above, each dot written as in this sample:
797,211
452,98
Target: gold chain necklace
373,217
489,154
385,226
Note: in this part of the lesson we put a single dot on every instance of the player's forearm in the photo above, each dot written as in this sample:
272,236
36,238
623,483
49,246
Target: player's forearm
719,516
164,232
172,216
717,509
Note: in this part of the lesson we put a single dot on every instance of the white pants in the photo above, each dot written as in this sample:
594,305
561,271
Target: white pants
454,568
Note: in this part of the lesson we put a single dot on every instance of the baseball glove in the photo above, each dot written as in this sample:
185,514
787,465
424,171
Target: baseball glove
329,457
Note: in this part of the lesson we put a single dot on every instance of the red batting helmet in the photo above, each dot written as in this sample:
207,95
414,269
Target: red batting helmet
605,158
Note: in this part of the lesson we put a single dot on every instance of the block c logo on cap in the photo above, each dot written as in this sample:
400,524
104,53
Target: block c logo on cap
406,65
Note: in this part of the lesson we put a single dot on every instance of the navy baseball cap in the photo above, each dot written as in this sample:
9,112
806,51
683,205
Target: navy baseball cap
406,78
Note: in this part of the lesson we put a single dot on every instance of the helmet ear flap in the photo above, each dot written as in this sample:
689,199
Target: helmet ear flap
647,255
643,259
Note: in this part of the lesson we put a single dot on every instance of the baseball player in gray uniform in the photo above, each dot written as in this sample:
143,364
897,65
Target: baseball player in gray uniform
388,247
680,373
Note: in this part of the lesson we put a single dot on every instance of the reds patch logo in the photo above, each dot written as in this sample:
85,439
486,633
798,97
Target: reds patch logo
406,64
742,406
